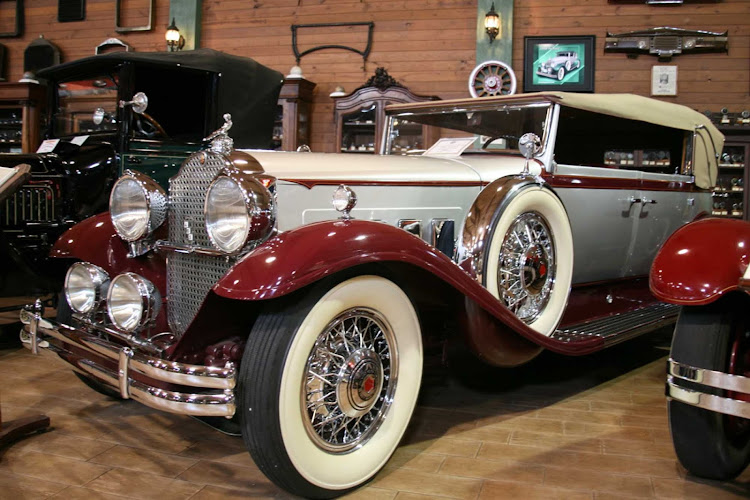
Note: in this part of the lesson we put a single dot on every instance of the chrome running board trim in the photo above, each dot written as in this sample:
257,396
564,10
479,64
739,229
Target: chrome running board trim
620,327
727,406
711,378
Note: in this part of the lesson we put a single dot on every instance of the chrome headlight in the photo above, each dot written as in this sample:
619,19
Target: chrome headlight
132,301
85,284
137,206
239,210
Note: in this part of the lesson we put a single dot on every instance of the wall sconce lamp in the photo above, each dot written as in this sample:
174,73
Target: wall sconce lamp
175,41
492,23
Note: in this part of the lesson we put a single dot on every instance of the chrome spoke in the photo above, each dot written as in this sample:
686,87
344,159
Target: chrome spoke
349,383
526,269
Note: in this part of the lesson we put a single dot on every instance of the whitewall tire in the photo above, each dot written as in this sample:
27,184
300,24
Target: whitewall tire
529,262
329,384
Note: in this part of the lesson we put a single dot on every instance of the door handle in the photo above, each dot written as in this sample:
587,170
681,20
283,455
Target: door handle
644,201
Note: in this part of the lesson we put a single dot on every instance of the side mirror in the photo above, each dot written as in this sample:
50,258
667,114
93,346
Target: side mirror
139,103
530,145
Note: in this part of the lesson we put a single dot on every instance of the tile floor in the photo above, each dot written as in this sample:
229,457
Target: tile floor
589,428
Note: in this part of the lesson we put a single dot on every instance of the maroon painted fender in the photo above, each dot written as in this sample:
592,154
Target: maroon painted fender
95,240
297,258
701,261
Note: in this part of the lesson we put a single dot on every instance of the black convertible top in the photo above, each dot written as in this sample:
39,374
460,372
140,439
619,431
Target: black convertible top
247,89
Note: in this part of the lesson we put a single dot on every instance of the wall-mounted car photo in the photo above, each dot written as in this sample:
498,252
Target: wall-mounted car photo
292,293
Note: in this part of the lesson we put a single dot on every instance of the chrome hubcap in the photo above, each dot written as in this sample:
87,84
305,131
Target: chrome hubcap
350,378
526,273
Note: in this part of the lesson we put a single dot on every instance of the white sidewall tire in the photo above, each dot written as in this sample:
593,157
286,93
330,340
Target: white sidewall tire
545,203
346,470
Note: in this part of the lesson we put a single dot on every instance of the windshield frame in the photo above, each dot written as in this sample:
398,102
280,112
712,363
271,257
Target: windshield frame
386,145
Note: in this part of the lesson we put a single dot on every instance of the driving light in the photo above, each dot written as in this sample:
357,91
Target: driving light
132,302
344,200
84,286
137,206
239,210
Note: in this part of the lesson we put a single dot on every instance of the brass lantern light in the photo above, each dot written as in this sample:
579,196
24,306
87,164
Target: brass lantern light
492,23
175,41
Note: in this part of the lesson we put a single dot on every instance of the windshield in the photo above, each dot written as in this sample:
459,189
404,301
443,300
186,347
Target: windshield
86,106
494,130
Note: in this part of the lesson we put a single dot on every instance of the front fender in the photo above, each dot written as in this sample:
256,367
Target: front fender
297,258
95,240
701,262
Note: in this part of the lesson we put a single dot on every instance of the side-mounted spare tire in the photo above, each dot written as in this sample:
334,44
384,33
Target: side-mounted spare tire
529,260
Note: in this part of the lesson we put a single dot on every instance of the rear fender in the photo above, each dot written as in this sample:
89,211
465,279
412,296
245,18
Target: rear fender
701,262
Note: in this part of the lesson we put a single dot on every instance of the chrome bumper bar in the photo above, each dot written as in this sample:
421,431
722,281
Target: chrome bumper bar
214,396
711,378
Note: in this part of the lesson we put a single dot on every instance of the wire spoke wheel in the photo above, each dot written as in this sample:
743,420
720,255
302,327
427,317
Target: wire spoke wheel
526,272
492,78
350,379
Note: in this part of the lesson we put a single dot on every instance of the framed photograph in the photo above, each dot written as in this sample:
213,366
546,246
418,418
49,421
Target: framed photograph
559,63
663,80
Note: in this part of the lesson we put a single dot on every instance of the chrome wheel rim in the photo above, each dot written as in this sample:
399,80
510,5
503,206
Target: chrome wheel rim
526,274
350,378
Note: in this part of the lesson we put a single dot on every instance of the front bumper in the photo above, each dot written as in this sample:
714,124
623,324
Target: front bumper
737,385
205,391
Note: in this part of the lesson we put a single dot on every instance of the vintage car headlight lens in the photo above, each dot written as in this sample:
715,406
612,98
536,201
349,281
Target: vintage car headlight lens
84,286
239,209
137,206
132,301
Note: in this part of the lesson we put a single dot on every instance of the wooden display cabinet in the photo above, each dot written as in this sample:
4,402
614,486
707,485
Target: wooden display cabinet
360,116
730,196
292,127
21,110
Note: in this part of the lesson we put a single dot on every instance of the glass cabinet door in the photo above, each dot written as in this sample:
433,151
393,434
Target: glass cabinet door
358,130
729,193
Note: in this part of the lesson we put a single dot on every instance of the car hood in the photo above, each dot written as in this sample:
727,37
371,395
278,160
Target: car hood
306,168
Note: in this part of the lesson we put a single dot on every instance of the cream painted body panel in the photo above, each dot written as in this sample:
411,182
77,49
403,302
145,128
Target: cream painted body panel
357,168
423,188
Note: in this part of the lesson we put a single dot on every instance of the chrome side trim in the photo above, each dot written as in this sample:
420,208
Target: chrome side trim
622,326
710,402
711,378
216,384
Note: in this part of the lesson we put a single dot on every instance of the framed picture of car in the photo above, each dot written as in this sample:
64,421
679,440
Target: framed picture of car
559,63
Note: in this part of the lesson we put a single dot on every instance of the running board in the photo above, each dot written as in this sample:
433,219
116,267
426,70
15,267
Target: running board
620,327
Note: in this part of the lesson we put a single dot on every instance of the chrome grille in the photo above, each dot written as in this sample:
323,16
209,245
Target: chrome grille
31,203
191,276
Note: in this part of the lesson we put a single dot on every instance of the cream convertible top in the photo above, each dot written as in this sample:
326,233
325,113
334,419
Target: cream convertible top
709,142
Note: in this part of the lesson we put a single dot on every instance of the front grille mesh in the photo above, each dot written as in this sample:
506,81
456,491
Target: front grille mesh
191,276
31,203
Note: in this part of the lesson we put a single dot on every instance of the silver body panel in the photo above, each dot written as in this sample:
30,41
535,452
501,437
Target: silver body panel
613,238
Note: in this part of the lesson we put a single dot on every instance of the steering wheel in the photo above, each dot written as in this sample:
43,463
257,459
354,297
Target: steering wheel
147,126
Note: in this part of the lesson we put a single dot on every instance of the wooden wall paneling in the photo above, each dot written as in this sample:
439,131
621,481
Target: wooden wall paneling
428,45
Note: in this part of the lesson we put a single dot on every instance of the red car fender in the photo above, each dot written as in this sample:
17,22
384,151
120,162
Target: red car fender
701,261
95,240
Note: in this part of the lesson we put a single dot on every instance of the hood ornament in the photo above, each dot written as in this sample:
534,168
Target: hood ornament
221,143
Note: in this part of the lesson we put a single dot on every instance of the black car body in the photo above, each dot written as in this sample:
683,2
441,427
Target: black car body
100,135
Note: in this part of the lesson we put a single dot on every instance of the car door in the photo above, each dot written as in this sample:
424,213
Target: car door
664,203
598,202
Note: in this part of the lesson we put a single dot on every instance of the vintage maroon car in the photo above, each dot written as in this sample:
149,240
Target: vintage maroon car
705,267
497,223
